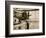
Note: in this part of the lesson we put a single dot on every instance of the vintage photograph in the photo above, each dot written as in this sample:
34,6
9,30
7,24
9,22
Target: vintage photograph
25,18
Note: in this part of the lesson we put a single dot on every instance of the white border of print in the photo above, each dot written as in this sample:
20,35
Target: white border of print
30,30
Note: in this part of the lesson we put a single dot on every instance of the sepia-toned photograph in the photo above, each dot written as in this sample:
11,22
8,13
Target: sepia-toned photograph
25,18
